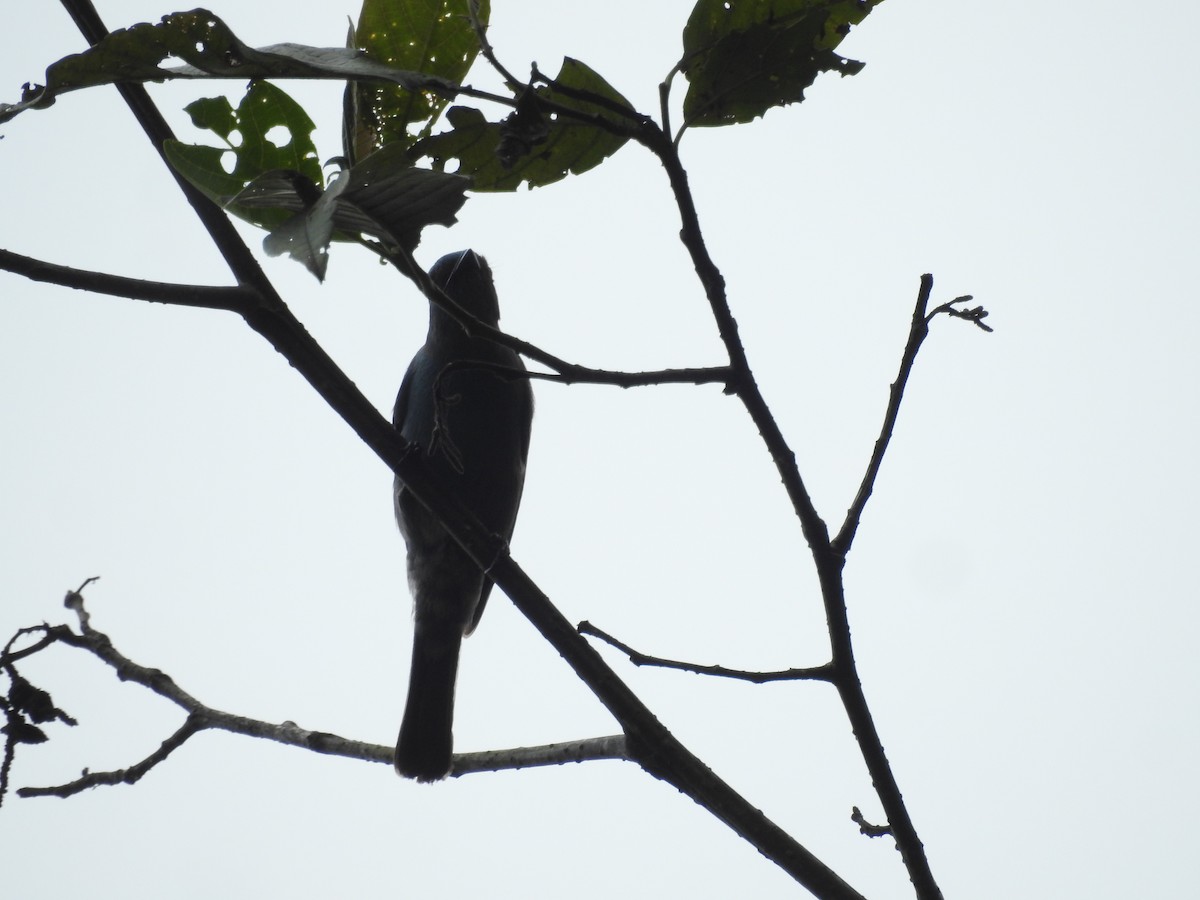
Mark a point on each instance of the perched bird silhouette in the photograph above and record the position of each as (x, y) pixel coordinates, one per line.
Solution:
(475, 436)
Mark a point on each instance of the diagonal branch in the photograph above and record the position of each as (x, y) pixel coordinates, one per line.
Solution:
(131, 775)
(918, 331)
(486, 48)
(742, 382)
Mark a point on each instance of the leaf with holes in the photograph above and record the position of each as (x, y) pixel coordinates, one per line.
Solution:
(742, 58)
(273, 133)
(533, 145)
(435, 37)
(211, 50)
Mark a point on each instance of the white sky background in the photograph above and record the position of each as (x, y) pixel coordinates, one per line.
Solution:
(1022, 589)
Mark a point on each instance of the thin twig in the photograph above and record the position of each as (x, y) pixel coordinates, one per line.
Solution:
(517, 86)
(573, 374)
(742, 380)
(485, 47)
(585, 96)
(814, 673)
(918, 331)
(8, 655)
(564, 372)
(131, 775)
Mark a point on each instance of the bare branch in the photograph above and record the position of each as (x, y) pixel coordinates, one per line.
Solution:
(815, 673)
(918, 331)
(828, 556)
(586, 750)
(130, 775)
(227, 298)
(485, 47)
(563, 372)
(742, 382)
(8, 656)
(574, 374)
(205, 718)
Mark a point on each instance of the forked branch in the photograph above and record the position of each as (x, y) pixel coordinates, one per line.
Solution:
(201, 717)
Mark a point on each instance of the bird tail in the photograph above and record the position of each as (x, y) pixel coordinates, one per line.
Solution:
(426, 741)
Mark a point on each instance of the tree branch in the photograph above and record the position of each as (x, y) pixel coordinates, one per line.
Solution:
(815, 673)
(918, 331)
(656, 749)
(233, 299)
(130, 775)
(828, 559)
(201, 717)
(742, 382)
(584, 750)
(486, 48)
(564, 372)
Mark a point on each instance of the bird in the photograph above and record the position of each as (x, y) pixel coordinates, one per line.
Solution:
(473, 427)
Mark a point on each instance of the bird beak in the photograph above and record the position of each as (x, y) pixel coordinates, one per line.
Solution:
(466, 256)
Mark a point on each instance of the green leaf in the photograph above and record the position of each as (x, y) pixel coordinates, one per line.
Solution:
(263, 108)
(531, 146)
(435, 37)
(383, 197)
(211, 51)
(213, 114)
(202, 167)
(263, 116)
(743, 57)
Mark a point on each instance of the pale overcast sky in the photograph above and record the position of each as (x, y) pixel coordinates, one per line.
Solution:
(1022, 591)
